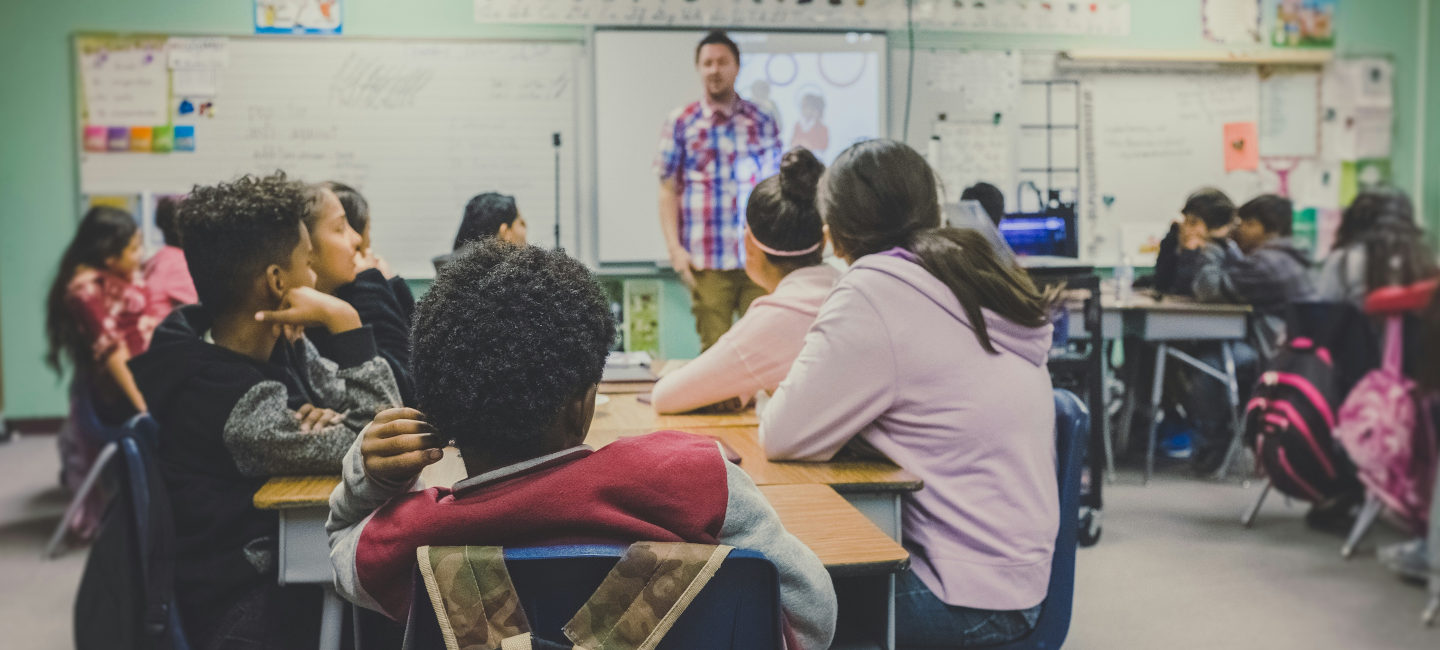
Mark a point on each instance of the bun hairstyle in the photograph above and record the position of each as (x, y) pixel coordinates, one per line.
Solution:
(782, 214)
(881, 194)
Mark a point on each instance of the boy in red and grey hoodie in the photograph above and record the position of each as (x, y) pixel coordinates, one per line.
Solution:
(507, 351)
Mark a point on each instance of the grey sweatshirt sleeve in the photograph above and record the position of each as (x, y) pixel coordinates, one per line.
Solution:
(263, 435)
(354, 379)
(352, 504)
(1212, 281)
(806, 592)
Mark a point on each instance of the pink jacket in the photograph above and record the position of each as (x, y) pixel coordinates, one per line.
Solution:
(892, 358)
(167, 279)
(757, 352)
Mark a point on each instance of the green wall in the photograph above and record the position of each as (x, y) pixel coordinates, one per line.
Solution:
(37, 169)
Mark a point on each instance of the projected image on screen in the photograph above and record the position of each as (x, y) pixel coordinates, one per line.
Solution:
(823, 101)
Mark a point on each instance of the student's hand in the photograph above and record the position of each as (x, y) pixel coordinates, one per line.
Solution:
(732, 405)
(313, 418)
(1193, 235)
(306, 307)
(683, 264)
(398, 444)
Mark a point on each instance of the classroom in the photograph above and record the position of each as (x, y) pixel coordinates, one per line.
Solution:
(705, 324)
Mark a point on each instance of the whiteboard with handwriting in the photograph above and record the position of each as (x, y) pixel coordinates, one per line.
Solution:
(418, 127)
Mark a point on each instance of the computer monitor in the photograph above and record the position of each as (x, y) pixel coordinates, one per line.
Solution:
(1045, 233)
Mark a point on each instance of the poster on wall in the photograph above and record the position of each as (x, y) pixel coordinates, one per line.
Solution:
(1304, 23)
(1231, 21)
(298, 16)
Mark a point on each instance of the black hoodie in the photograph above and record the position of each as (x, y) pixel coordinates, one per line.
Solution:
(227, 424)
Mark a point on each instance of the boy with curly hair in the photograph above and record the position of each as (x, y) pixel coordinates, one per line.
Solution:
(235, 408)
(507, 351)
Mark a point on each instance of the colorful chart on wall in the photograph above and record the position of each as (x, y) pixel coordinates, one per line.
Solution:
(299, 16)
(1304, 23)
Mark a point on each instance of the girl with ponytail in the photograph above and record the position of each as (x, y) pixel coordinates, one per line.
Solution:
(784, 248)
(932, 350)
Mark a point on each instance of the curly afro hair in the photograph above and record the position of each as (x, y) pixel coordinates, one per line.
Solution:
(232, 231)
(503, 340)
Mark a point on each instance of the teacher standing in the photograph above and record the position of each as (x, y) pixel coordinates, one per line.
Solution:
(712, 154)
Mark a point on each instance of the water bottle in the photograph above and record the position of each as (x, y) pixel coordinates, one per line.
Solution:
(1124, 280)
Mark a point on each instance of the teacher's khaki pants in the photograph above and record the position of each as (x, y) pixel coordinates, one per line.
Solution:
(720, 297)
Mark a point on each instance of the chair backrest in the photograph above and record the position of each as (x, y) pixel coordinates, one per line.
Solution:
(143, 541)
(1072, 431)
(738, 608)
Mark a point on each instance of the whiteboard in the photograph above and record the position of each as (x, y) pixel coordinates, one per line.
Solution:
(417, 126)
(1153, 138)
(642, 76)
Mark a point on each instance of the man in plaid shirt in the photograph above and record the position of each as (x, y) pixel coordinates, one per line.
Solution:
(712, 154)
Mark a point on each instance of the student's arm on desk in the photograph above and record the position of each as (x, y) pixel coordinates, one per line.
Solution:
(350, 376)
(716, 375)
(806, 593)
(843, 380)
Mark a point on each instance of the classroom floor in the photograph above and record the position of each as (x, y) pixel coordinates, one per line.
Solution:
(1174, 570)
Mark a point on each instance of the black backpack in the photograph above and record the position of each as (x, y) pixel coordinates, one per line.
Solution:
(1290, 422)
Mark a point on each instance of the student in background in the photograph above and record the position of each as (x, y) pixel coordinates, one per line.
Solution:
(167, 278)
(784, 243)
(989, 197)
(96, 318)
(1207, 217)
(357, 212)
(933, 351)
(491, 214)
(235, 408)
(1259, 265)
(514, 389)
(383, 300)
(1378, 244)
(339, 271)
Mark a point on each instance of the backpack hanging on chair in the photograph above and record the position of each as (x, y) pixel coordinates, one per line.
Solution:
(1378, 425)
(1289, 423)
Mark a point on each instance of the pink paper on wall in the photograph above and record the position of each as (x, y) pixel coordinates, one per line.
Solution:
(1242, 146)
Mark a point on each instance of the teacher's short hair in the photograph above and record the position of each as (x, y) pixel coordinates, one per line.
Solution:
(718, 37)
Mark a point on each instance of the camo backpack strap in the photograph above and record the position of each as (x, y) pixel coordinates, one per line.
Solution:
(473, 598)
(644, 594)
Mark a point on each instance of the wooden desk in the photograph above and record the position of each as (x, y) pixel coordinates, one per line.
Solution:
(626, 413)
(1167, 320)
(874, 487)
(861, 557)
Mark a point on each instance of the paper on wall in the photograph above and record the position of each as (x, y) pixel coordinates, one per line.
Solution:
(1290, 114)
(191, 53)
(971, 152)
(1231, 21)
(984, 82)
(126, 86)
(1357, 109)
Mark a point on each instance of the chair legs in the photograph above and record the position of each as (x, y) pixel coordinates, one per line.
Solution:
(1248, 519)
(96, 470)
(1237, 432)
(1372, 509)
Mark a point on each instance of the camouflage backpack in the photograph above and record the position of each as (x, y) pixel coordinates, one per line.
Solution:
(476, 606)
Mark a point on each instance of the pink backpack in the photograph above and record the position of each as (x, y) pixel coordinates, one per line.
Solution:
(1378, 427)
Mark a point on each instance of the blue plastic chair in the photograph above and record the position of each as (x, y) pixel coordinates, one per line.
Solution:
(1072, 432)
(141, 495)
(738, 608)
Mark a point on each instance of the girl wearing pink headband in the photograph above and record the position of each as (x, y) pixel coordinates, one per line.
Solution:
(784, 242)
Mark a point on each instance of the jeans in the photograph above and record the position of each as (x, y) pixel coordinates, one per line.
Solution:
(924, 621)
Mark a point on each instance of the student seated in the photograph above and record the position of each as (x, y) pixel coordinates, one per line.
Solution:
(933, 351)
(166, 277)
(96, 318)
(989, 197)
(235, 409)
(491, 214)
(357, 213)
(1377, 244)
(1207, 217)
(346, 268)
(784, 242)
(509, 345)
(1258, 265)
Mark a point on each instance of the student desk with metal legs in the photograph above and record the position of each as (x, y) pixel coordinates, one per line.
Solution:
(1169, 320)
(861, 557)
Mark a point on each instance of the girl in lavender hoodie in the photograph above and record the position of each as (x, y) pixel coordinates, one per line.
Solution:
(783, 241)
(932, 350)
